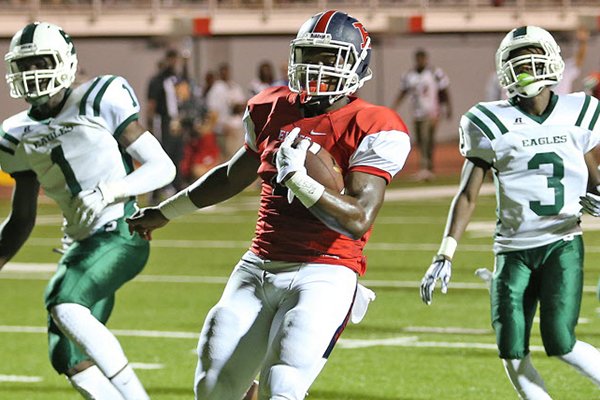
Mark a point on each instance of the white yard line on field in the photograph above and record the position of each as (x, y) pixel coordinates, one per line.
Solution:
(243, 245)
(432, 192)
(398, 341)
(138, 365)
(42, 271)
(20, 378)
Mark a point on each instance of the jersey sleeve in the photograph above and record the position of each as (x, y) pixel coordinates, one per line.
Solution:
(12, 155)
(385, 147)
(383, 154)
(112, 99)
(474, 143)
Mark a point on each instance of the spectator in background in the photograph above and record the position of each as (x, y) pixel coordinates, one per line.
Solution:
(233, 130)
(209, 80)
(265, 78)
(221, 98)
(283, 75)
(591, 84)
(201, 152)
(573, 64)
(493, 90)
(163, 111)
(428, 90)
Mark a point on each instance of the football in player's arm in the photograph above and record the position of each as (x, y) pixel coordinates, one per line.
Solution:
(538, 145)
(78, 144)
(290, 296)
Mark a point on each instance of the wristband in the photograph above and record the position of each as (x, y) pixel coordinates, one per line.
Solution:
(448, 247)
(178, 205)
(305, 188)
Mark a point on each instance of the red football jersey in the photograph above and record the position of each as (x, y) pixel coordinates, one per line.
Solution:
(360, 136)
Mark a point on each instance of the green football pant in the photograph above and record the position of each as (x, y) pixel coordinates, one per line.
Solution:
(551, 274)
(89, 273)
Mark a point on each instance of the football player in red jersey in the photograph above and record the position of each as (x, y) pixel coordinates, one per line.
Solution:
(291, 295)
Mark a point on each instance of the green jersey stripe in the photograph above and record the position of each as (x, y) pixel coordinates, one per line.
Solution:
(595, 117)
(100, 94)
(7, 150)
(27, 35)
(57, 156)
(586, 104)
(493, 117)
(124, 125)
(10, 138)
(479, 123)
(83, 104)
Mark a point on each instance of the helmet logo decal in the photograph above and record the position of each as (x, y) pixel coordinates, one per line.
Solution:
(522, 31)
(363, 33)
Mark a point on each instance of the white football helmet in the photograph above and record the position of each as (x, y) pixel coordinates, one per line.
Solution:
(546, 69)
(348, 43)
(40, 39)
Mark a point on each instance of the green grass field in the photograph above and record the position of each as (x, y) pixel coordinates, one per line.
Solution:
(402, 350)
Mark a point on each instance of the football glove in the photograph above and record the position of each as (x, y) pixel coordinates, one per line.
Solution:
(90, 203)
(590, 204)
(440, 268)
(290, 159)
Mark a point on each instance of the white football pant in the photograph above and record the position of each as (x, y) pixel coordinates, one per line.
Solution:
(277, 318)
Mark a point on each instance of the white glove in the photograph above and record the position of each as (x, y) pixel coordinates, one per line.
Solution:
(591, 204)
(440, 268)
(486, 275)
(90, 203)
(291, 159)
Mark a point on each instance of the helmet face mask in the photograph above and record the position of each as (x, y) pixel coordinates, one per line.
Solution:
(329, 59)
(527, 61)
(40, 63)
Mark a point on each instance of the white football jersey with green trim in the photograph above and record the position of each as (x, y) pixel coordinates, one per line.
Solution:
(77, 149)
(538, 164)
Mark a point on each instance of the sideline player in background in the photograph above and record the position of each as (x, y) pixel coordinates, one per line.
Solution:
(538, 145)
(78, 144)
(289, 298)
(429, 90)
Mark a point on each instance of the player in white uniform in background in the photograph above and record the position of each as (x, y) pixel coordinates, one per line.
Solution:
(289, 298)
(538, 145)
(78, 145)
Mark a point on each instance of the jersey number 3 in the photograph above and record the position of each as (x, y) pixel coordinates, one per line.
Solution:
(554, 182)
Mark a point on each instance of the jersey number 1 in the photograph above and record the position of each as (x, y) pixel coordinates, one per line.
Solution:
(554, 182)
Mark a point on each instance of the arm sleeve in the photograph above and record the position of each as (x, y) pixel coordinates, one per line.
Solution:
(155, 171)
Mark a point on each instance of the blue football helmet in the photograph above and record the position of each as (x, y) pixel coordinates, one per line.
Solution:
(329, 57)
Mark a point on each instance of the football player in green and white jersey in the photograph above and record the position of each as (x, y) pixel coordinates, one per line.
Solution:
(538, 146)
(79, 144)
